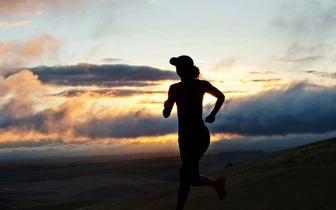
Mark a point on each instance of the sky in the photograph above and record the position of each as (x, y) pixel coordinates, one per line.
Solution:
(87, 77)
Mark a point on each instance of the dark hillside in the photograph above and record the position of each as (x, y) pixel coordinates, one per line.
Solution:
(298, 178)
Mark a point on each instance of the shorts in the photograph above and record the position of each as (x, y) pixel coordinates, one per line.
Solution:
(193, 143)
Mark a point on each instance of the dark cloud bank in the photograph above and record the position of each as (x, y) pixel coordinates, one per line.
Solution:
(135, 124)
(59, 120)
(299, 109)
(105, 75)
(108, 92)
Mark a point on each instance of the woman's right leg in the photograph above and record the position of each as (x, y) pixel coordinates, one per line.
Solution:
(207, 181)
(190, 170)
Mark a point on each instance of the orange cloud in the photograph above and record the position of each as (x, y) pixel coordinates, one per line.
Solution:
(14, 83)
(80, 116)
(16, 51)
(15, 23)
(34, 7)
(262, 80)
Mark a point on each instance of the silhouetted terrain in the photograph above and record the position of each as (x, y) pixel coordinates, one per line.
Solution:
(71, 183)
(298, 178)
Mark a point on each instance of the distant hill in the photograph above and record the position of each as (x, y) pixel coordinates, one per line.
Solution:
(303, 177)
(75, 182)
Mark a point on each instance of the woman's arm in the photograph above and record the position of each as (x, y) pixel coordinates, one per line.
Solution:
(168, 105)
(220, 100)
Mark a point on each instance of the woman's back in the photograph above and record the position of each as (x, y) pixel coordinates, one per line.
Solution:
(188, 96)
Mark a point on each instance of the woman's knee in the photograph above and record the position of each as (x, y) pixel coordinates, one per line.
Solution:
(183, 172)
(189, 174)
(195, 181)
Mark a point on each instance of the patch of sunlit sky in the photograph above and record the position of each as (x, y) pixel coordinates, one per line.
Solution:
(242, 47)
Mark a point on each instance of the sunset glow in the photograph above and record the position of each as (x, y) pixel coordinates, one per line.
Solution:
(90, 77)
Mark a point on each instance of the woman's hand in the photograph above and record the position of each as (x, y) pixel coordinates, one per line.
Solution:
(168, 105)
(210, 119)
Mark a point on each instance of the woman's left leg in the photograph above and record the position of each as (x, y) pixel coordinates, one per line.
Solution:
(191, 154)
(195, 151)
(190, 170)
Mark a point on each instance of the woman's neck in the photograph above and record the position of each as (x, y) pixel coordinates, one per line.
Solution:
(187, 80)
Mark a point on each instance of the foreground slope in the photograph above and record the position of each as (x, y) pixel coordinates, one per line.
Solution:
(298, 178)
(69, 183)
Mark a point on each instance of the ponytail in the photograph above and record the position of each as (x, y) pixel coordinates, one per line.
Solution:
(195, 72)
(191, 72)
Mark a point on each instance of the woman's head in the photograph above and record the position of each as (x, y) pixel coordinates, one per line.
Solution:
(185, 67)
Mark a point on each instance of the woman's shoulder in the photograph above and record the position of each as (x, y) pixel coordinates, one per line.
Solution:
(175, 85)
(204, 86)
(203, 83)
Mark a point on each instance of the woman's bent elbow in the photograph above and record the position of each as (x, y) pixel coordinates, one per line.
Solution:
(221, 97)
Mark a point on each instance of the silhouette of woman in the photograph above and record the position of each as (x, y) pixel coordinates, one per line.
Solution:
(193, 135)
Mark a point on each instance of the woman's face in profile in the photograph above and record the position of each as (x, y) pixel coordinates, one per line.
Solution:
(182, 71)
(179, 71)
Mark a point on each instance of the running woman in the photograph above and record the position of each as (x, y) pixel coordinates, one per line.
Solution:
(193, 135)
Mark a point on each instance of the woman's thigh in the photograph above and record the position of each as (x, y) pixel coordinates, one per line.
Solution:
(193, 144)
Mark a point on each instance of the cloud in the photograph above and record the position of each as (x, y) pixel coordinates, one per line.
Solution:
(54, 148)
(268, 143)
(64, 122)
(14, 8)
(321, 74)
(311, 19)
(133, 124)
(305, 53)
(72, 119)
(108, 93)
(235, 91)
(21, 118)
(309, 29)
(17, 107)
(226, 64)
(19, 7)
(110, 60)
(13, 85)
(304, 59)
(17, 52)
(31, 143)
(300, 108)
(262, 80)
(15, 23)
(262, 72)
(102, 75)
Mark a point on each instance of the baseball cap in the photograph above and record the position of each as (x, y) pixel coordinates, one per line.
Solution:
(182, 60)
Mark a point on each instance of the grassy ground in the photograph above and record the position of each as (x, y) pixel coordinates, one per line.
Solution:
(298, 178)
(76, 182)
